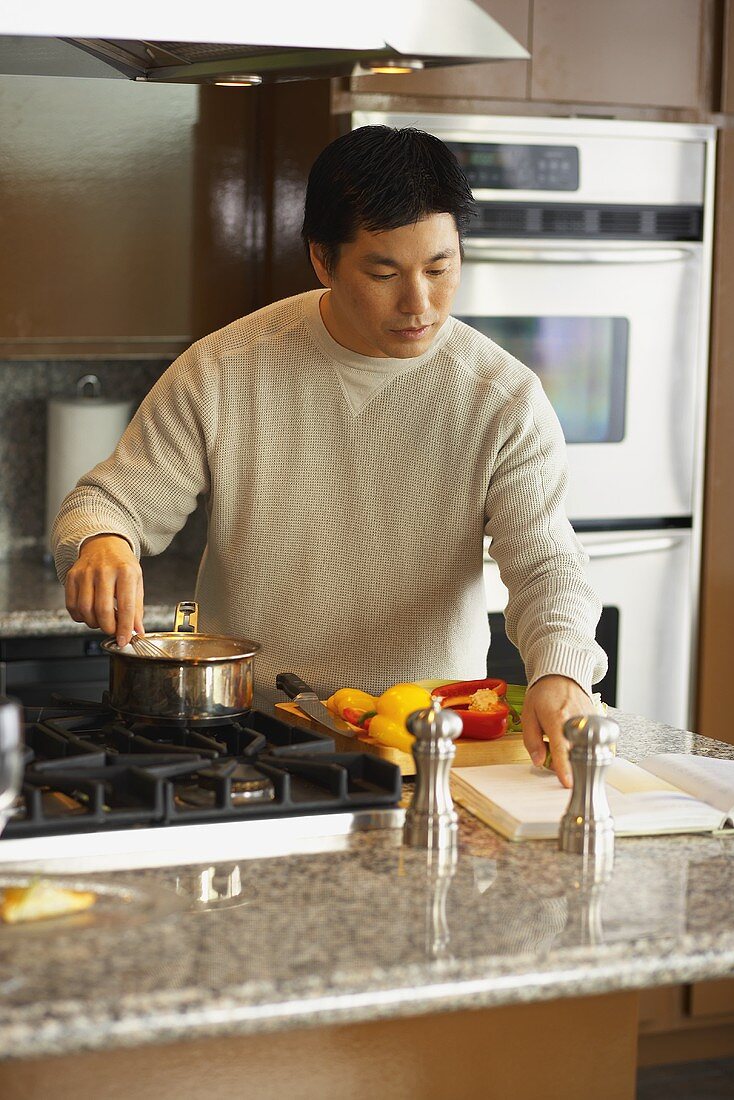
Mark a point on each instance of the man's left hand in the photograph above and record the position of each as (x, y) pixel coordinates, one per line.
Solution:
(548, 704)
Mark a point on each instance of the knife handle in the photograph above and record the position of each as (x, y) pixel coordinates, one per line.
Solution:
(291, 684)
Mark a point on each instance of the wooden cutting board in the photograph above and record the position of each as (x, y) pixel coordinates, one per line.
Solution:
(505, 750)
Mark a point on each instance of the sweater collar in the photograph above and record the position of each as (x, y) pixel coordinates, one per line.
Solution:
(373, 364)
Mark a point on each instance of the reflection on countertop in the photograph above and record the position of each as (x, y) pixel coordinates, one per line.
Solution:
(32, 600)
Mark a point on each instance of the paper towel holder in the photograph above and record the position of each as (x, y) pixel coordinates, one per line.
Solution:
(89, 380)
(82, 430)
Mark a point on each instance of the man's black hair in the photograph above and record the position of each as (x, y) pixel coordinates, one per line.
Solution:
(379, 178)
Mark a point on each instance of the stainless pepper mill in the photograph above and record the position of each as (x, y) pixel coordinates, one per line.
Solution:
(431, 820)
(587, 827)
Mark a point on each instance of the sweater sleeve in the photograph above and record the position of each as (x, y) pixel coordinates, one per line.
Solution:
(552, 611)
(147, 488)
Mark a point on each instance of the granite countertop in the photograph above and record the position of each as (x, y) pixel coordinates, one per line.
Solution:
(32, 600)
(371, 931)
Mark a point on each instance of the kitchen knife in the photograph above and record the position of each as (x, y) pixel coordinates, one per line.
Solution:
(309, 702)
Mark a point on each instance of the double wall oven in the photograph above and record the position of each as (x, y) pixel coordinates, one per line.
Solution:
(590, 261)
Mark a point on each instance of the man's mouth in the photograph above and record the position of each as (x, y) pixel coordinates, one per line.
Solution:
(412, 333)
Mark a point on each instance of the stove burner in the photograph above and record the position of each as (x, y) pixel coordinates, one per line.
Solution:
(93, 770)
(246, 782)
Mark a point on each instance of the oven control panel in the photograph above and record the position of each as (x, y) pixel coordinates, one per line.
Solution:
(512, 167)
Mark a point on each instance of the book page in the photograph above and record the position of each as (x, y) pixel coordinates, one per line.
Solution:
(525, 802)
(707, 778)
(650, 812)
(629, 778)
(530, 800)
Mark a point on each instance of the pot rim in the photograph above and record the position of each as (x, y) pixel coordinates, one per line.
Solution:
(249, 649)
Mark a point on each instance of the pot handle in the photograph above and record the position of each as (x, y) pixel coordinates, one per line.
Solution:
(187, 617)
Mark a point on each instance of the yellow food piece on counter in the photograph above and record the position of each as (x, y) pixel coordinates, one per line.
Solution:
(42, 900)
(401, 700)
(352, 699)
(389, 731)
(388, 711)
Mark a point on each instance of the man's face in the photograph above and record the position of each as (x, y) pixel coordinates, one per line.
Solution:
(390, 292)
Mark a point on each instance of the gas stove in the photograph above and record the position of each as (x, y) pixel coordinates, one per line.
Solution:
(101, 792)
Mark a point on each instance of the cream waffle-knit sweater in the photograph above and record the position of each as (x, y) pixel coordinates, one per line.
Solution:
(349, 544)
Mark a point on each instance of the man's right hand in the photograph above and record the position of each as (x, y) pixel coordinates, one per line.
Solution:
(104, 587)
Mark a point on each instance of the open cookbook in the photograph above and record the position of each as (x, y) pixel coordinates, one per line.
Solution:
(665, 793)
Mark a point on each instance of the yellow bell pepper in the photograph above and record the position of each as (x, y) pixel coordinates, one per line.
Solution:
(389, 731)
(401, 700)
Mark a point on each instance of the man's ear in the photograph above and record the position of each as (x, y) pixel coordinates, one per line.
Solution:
(315, 251)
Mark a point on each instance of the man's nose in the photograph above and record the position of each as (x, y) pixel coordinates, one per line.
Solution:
(413, 297)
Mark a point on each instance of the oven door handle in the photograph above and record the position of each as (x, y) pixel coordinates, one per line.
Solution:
(622, 548)
(509, 254)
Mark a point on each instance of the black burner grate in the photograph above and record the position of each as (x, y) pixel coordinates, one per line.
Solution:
(92, 771)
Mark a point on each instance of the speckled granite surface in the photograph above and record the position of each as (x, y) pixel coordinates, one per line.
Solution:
(32, 600)
(373, 932)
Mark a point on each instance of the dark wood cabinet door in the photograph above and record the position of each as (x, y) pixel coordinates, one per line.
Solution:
(727, 59)
(96, 211)
(655, 56)
(643, 54)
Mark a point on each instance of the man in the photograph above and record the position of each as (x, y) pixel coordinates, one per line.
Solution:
(354, 444)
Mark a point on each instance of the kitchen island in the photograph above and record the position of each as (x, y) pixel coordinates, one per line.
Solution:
(366, 970)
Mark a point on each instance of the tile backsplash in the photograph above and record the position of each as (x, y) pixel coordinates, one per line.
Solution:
(25, 387)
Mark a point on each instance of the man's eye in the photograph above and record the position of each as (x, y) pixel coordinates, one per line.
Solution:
(438, 271)
(381, 278)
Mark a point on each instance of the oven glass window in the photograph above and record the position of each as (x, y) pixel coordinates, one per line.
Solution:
(582, 363)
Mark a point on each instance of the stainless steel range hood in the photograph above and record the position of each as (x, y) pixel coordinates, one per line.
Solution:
(221, 39)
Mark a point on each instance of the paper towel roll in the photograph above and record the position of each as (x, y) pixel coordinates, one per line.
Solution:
(82, 431)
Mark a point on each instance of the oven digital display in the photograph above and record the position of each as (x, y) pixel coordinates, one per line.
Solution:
(582, 363)
(505, 167)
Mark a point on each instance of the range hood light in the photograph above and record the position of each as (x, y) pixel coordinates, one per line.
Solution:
(237, 80)
(388, 67)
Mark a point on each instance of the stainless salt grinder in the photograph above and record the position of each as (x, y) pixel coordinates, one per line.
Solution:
(431, 820)
(587, 827)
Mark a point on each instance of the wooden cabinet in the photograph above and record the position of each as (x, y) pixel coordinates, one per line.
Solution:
(646, 55)
(712, 999)
(716, 642)
(727, 59)
(96, 195)
(680, 1023)
(574, 1048)
(253, 152)
(138, 218)
(660, 55)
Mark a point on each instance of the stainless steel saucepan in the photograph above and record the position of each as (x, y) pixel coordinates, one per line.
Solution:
(196, 678)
